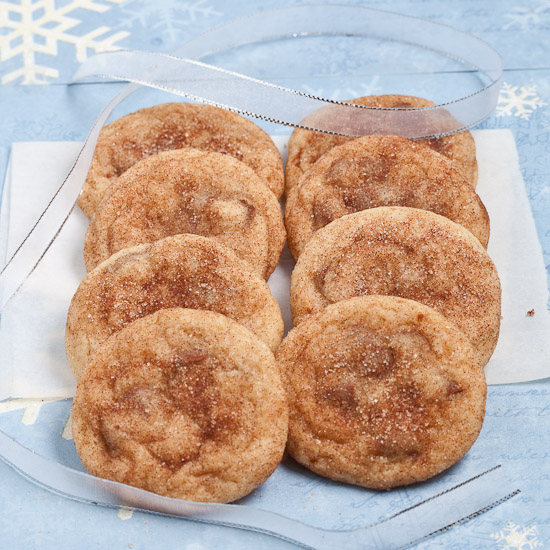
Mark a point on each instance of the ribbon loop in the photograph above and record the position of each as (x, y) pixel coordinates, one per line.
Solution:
(193, 79)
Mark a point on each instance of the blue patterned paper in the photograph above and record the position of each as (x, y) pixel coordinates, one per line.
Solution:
(36, 104)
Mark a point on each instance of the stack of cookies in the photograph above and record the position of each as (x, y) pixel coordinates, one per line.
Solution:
(171, 334)
(395, 301)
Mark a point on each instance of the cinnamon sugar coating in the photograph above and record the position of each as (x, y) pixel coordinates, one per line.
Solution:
(187, 271)
(169, 126)
(383, 392)
(380, 170)
(405, 252)
(306, 147)
(189, 191)
(184, 403)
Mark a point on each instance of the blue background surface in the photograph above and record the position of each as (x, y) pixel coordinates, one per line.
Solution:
(516, 431)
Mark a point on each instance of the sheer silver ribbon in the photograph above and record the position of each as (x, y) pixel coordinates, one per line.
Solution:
(438, 513)
(182, 74)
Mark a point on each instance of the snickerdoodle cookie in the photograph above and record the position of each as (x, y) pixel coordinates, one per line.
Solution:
(168, 126)
(382, 392)
(184, 403)
(189, 191)
(188, 271)
(406, 252)
(376, 171)
(305, 147)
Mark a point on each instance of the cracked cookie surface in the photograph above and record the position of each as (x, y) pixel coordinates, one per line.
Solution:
(168, 126)
(405, 252)
(184, 403)
(382, 392)
(188, 271)
(380, 170)
(306, 147)
(189, 191)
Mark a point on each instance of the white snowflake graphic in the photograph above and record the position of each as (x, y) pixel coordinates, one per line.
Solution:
(525, 18)
(518, 101)
(514, 537)
(31, 28)
(169, 19)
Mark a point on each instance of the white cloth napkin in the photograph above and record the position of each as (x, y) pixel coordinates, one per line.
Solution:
(32, 357)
